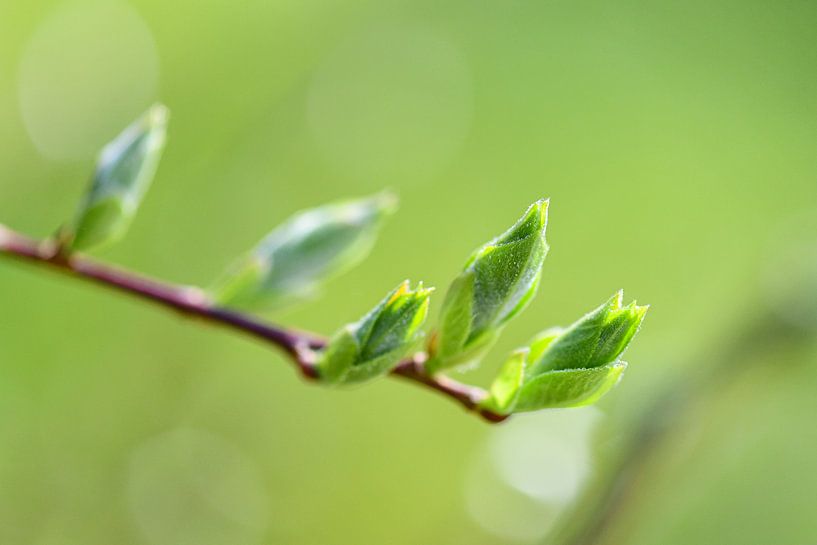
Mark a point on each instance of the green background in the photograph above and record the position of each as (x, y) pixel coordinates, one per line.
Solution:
(676, 140)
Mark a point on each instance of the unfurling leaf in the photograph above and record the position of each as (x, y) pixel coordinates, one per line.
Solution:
(568, 388)
(505, 389)
(124, 171)
(307, 249)
(596, 339)
(569, 367)
(498, 281)
(375, 345)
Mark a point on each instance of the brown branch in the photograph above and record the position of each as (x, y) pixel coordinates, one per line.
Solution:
(194, 302)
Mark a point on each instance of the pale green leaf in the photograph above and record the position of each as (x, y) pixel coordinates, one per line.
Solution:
(309, 248)
(568, 388)
(339, 355)
(123, 175)
(455, 320)
(541, 342)
(506, 386)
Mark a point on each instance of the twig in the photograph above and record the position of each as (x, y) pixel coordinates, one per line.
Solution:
(194, 302)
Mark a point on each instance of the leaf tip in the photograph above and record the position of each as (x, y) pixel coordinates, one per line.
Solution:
(538, 213)
(401, 290)
(157, 116)
(387, 202)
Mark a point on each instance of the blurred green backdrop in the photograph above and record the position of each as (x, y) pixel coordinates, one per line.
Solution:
(677, 141)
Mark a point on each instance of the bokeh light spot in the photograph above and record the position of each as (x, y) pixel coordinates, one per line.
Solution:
(529, 470)
(191, 487)
(546, 455)
(89, 69)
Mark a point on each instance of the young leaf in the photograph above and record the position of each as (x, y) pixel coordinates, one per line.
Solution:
(498, 281)
(568, 388)
(598, 338)
(505, 389)
(376, 344)
(542, 341)
(123, 174)
(307, 249)
(568, 367)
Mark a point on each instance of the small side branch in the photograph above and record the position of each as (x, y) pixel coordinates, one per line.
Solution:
(194, 302)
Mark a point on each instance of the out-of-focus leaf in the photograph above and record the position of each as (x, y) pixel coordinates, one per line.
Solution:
(376, 344)
(123, 175)
(498, 281)
(309, 248)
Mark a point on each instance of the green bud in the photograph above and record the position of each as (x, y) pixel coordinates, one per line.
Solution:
(379, 341)
(499, 280)
(309, 248)
(124, 171)
(568, 367)
(597, 339)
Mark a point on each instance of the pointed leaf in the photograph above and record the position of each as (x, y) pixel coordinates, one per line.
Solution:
(498, 282)
(306, 250)
(598, 338)
(124, 172)
(619, 329)
(374, 345)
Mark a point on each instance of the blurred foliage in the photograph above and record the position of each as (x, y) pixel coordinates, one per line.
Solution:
(123, 174)
(675, 140)
(292, 261)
